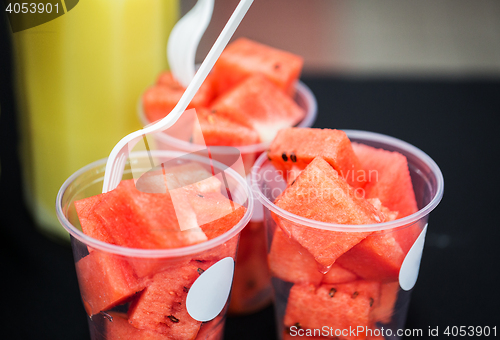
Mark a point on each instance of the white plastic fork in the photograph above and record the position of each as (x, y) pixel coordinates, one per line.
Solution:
(118, 156)
(184, 39)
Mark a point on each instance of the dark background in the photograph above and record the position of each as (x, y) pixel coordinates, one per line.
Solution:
(454, 121)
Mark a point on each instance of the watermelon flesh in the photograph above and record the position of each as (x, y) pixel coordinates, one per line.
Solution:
(291, 262)
(244, 57)
(118, 328)
(297, 147)
(338, 274)
(379, 256)
(259, 104)
(339, 306)
(162, 305)
(335, 202)
(149, 219)
(106, 280)
(388, 296)
(384, 193)
(216, 129)
(161, 98)
(388, 178)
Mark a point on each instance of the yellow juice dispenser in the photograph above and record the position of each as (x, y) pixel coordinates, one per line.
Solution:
(79, 78)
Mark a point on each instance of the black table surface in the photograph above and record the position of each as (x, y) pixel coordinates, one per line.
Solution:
(453, 121)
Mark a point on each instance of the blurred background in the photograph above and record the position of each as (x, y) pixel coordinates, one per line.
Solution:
(425, 38)
(426, 71)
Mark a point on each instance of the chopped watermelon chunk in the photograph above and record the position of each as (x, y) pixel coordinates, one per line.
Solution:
(340, 306)
(337, 274)
(388, 296)
(260, 105)
(243, 58)
(319, 193)
(90, 221)
(161, 98)
(215, 213)
(378, 257)
(218, 130)
(162, 305)
(292, 174)
(194, 175)
(297, 147)
(106, 280)
(388, 178)
(291, 262)
(135, 219)
(118, 328)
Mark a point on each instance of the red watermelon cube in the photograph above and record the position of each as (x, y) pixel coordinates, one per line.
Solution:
(378, 257)
(319, 193)
(338, 274)
(118, 328)
(297, 147)
(216, 129)
(388, 178)
(388, 296)
(106, 280)
(259, 104)
(215, 214)
(291, 262)
(162, 305)
(145, 220)
(340, 306)
(244, 57)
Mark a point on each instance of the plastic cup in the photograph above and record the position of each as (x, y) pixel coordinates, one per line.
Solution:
(252, 286)
(113, 278)
(382, 303)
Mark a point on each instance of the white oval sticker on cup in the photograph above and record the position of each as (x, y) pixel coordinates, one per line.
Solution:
(408, 273)
(208, 294)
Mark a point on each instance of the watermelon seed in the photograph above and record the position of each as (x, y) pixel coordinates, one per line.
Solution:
(173, 319)
(354, 295)
(214, 111)
(200, 195)
(293, 157)
(107, 316)
(332, 292)
(186, 289)
(200, 271)
(277, 66)
(371, 302)
(284, 156)
(268, 157)
(293, 182)
(297, 324)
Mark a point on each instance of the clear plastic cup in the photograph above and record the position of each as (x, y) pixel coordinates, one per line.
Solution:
(108, 273)
(381, 305)
(252, 289)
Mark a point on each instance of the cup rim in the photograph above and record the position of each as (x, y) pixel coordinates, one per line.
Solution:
(301, 89)
(153, 253)
(367, 136)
